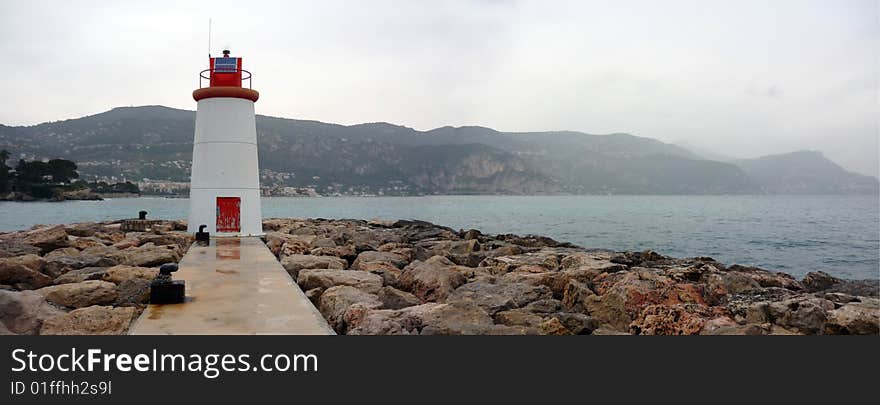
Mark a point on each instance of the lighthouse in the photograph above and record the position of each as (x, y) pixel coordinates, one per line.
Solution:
(225, 183)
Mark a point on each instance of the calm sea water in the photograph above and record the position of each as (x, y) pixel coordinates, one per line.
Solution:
(794, 234)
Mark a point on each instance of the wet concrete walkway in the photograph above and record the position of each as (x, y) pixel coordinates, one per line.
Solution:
(235, 286)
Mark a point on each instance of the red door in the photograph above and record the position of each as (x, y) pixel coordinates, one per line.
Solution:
(228, 214)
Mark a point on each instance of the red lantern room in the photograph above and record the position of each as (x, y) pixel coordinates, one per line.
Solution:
(225, 77)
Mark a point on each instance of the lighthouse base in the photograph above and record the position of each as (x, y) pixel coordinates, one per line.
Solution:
(226, 212)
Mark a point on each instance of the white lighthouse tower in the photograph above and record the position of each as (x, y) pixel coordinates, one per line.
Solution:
(225, 184)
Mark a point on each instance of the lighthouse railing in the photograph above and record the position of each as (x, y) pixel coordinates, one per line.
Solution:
(210, 72)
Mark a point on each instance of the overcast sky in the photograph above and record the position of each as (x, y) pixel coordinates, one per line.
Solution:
(738, 78)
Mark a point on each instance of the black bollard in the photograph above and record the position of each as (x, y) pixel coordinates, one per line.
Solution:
(142, 215)
(164, 290)
(202, 236)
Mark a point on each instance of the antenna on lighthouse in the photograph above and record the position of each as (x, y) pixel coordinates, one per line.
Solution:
(209, 37)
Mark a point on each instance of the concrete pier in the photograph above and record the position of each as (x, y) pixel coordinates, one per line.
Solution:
(234, 286)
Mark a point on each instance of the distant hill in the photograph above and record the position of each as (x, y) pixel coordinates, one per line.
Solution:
(805, 172)
(379, 158)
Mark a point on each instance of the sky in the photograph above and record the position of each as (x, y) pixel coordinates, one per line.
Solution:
(739, 79)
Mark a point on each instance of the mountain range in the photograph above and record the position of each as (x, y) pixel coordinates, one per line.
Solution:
(155, 142)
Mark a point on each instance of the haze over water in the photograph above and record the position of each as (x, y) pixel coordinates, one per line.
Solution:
(793, 234)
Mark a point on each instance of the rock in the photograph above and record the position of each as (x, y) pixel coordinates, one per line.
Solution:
(545, 306)
(768, 279)
(454, 247)
(577, 324)
(23, 272)
(549, 260)
(393, 298)
(326, 278)
(638, 259)
(719, 286)
(599, 261)
(83, 243)
(457, 319)
(335, 301)
(83, 274)
(346, 253)
(575, 296)
(179, 239)
(553, 326)
(405, 321)
(431, 280)
(471, 234)
(59, 265)
(314, 294)
(31, 261)
(295, 263)
(723, 325)
(93, 320)
(282, 244)
(114, 254)
(506, 250)
(816, 281)
(15, 247)
(152, 256)
(387, 271)
(23, 312)
(375, 256)
(121, 273)
(864, 288)
(498, 297)
(47, 239)
(82, 294)
(805, 314)
(133, 291)
(518, 317)
(682, 319)
(855, 318)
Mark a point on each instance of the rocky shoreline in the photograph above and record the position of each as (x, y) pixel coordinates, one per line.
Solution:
(414, 277)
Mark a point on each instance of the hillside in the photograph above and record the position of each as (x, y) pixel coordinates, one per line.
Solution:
(806, 172)
(155, 142)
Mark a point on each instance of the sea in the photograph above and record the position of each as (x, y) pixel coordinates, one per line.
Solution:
(794, 234)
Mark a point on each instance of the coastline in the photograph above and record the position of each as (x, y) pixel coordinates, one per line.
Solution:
(414, 277)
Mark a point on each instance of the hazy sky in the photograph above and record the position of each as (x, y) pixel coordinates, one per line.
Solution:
(738, 78)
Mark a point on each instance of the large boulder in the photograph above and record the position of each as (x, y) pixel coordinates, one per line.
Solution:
(150, 255)
(465, 319)
(93, 320)
(431, 280)
(47, 239)
(860, 317)
(393, 298)
(335, 301)
(681, 319)
(83, 274)
(132, 291)
(24, 272)
(121, 273)
(23, 312)
(405, 321)
(768, 278)
(11, 247)
(326, 278)
(82, 294)
(371, 256)
(59, 264)
(816, 281)
(294, 263)
(498, 297)
(806, 314)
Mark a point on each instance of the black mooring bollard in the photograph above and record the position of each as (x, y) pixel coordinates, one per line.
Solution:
(142, 215)
(202, 236)
(164, 290)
